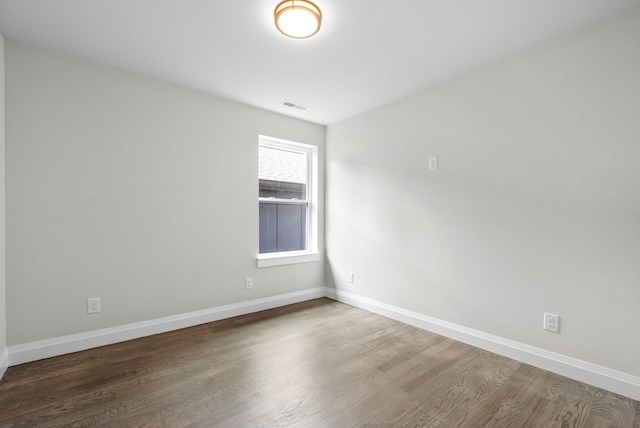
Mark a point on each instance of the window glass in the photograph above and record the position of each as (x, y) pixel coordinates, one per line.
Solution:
(283, 190)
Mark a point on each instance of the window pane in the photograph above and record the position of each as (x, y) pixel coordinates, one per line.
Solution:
(283, 227)
(282, 173)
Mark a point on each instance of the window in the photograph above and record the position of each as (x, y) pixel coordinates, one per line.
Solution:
(286, 198)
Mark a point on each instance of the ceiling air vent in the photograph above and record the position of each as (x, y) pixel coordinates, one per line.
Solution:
(294, 105)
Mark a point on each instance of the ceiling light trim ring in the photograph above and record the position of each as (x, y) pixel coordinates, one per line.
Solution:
(288, 7)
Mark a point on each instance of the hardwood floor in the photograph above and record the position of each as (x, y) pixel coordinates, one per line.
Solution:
(313, 364)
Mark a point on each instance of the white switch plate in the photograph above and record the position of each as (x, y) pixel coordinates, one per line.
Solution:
(93, 305)
(433, 163)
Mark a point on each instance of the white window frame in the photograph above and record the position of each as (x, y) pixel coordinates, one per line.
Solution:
(311, 254)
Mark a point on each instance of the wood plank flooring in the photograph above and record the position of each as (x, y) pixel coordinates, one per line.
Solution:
(313, 364)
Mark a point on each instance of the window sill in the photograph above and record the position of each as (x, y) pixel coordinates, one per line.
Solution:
(288, 258)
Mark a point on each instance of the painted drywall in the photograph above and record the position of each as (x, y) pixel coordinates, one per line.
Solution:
(535, 206)
(132, 190)
(3, 305)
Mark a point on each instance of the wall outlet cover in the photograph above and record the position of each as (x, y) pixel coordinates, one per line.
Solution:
(93, 305)
(552, 323)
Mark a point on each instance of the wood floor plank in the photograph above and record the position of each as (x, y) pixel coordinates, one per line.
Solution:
(313, 364)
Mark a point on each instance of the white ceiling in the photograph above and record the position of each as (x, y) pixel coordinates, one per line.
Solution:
(367, 53)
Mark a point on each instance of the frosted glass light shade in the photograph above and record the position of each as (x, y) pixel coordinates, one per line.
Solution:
(298, 19)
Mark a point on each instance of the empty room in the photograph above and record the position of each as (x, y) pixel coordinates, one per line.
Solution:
(326, 213)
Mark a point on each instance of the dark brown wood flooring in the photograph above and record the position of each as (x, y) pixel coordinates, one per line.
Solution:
(313, 364)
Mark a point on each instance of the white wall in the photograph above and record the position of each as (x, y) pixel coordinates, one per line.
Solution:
(535, 207)
(3, 306)
(132, 190)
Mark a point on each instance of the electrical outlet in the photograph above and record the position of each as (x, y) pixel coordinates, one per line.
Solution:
(93, 305)
(350, 277)
(552, 323)
(248, 283)
(433, 163)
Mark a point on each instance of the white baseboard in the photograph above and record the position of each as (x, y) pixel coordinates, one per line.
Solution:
(4, 362)
(47, 348)
(592, 374)
(602, 377)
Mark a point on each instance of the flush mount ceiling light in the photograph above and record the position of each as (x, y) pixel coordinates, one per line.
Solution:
(298, 19)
